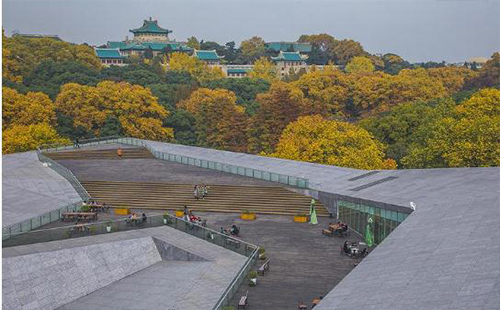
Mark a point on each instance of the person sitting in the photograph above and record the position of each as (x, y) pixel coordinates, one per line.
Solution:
(345, 228)
(364, 252)
(224, 231)
(347, 250)
(119, 152)
(192, 217)
(234, 230)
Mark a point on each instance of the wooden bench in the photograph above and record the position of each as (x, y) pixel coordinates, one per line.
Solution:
(264, 267)
(230, 241)
(243, 303)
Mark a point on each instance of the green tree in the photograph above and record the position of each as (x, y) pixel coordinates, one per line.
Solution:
(253, 48)
(193, 42)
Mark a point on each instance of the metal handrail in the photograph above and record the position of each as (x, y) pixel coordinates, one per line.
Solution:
(65, 173)
(230, 290)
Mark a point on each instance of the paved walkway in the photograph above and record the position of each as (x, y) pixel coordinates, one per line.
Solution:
(304, 263)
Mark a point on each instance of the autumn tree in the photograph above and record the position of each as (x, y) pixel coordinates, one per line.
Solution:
(253, 48)
(21, 138)
(489, 74)
(360, 64)
(264, 69)
(134, 106)
(327, 89)
(345, 50)
(469, 138)
(193, 42)
(453, 78)
(195, 67)
(315, 139)
(32, 108)
(282, 104)
(23, 54)
(220, 123)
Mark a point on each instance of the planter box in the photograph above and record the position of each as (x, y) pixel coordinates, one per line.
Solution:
(300, 219)
(248, 216)
(179, 213)
(122, 211)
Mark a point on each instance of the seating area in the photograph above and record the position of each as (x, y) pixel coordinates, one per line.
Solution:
(339, 230)
(265, 267)
(112, 154)
(79, 216)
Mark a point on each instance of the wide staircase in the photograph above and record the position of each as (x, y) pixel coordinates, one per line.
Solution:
(127, 153)
(220, 198)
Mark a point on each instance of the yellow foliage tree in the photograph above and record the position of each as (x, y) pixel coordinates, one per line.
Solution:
(282, 104)
(471, 138)
(220, 123)
(253, 47)
(134, 106)
(264, 69)
(453, 78)
(32, 108)
(360, 64)
(21, 55)
(21, 138)
(315, 139)
(328, 89)
(197, 68)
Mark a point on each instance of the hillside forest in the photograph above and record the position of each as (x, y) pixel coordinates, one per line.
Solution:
(371, 112)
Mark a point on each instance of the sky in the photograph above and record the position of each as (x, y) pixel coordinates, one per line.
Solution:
(417, 30)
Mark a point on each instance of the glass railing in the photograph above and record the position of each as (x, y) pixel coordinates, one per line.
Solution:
(38, 221)
(65, 173)
(192, 161)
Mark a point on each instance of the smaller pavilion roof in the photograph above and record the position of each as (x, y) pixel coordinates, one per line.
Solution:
(206, 55)
(289, 56)
(150, 26)
(155, 46)
(108, 53)
(238, 70)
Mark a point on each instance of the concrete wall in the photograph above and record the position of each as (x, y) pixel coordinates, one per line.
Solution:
(49, 280)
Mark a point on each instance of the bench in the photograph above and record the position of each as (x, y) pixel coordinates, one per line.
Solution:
(243, 301)
(264, 267)
(233, 242)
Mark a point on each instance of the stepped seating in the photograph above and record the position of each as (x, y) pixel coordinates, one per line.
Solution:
(221, 198)
(128, 153)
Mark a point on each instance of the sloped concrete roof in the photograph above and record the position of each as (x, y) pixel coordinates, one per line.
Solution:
(445, 255)
(30, 189)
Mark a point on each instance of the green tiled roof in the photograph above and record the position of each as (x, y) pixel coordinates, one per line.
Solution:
(238, 70)
(155, 46)
(150, 26)
(288, 56)
(206, 55)
(108, 53)
(285, 46)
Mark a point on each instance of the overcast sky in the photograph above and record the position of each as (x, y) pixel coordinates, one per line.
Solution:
(417, 30)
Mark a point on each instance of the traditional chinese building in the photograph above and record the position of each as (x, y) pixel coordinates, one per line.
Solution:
(286, 61)
(150, 37)
(110, 56)
(210, 57)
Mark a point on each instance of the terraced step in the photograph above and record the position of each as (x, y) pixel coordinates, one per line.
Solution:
(127, 153)
(221, 198)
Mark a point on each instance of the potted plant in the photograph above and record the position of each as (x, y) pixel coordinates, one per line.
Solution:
(262, 253)
(247, 215)
(252, 278)
(85, 208)
(179, 212)
(300, 217)
(165, 218)
(108, 226)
